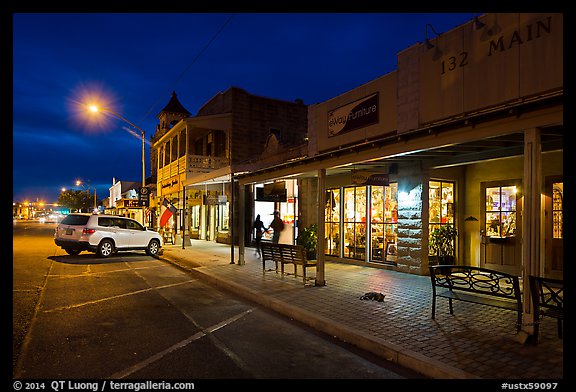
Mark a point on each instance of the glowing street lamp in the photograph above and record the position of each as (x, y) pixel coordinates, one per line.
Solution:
(79, 183)
(97, 109)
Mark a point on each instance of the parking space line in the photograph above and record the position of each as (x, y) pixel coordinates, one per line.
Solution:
(177, 346)
(90, 272)
(116, 297)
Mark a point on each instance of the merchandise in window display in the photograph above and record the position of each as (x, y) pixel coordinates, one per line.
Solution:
(501, 212)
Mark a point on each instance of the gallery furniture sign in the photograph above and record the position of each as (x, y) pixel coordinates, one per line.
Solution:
(354, 115)
(361, 177)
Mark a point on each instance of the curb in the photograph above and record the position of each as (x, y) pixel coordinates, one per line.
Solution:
(391, 352)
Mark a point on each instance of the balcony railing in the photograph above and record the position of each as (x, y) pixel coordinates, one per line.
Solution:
(191, 164)
(205, 163)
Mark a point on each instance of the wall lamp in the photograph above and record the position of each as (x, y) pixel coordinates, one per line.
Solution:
(477, 24)
(471, 219)
(429, 45)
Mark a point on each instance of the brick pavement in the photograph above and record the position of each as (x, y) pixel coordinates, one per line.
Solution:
(477, 342)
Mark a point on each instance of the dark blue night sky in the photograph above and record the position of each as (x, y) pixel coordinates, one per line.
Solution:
(135, 61)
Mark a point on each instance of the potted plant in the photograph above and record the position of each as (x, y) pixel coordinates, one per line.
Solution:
(442, 241)
(308, 238)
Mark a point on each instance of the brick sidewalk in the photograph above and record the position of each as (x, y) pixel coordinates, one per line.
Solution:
(477, 342)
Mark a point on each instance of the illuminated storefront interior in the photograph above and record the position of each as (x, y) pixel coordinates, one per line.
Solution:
(354, 231)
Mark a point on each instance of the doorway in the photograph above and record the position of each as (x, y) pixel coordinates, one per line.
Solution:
(501, 226)
(553, 240)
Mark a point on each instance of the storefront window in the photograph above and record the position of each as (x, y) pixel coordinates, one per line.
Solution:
(384, 222)
(557, 217)
(355, 222)
(501, 211)
(441, 200)
(223, 216)
(194, 217)
(332, 225)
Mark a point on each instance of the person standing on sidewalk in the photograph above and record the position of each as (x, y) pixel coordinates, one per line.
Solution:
(277, 225)
(260, 229)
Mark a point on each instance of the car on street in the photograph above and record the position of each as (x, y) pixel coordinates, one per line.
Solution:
(105, 235)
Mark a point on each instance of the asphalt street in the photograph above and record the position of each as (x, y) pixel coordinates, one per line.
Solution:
(132, 316)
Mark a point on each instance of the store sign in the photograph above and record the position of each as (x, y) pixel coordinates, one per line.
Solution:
(357, 114)
(211, 200)
(144, 197)
(272, 192)
(127, 203)
(369, 178)
(169, 186)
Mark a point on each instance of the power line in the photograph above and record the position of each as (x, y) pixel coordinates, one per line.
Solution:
(175, 82)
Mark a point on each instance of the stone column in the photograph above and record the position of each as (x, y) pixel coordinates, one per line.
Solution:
(410, 220)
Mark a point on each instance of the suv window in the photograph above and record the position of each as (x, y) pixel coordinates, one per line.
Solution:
(75, 220)
(133, 225)
(105, 222)
(121, 223)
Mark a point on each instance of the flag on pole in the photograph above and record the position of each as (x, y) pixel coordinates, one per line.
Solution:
(167, 210)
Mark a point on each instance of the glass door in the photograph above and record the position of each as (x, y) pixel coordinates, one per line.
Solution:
(355, 222)
(501, 213)
(384, 223)
(332, 222)
(554, 228)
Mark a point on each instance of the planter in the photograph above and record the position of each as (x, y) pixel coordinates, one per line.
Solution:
(308, 238)
(311, 254)
(442, 241)
(445, 260)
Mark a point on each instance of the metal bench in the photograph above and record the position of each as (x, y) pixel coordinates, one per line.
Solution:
(282, 254)
(476, 285)
(547, 300)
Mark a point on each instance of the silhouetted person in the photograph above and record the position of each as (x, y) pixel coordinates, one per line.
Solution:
(277, 225)
(260, 229)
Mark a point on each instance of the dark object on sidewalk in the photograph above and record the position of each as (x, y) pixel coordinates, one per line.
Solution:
(476, 285)
(547, 300)
(372, 295)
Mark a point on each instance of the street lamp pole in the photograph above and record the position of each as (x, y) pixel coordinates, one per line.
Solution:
(142, 133)
(78, 183)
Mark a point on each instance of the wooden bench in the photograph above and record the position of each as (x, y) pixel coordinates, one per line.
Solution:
(476, 285)
(547, 300)
(282, 254)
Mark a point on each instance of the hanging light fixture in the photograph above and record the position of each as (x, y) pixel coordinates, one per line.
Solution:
(477, 24)
(429, 45)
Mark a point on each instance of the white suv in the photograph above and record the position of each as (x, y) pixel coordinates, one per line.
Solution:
(104, 235)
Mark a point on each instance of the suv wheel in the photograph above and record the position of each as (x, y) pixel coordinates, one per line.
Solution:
(153, 248)
(105, 248)
(72, 252)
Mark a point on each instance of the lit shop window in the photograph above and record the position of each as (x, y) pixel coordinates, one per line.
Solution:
(332, 225)
(501, 211)
(557, 218)
(355, 222)
(441, 201)
(223, 216)
(384, 222)
(195, 217)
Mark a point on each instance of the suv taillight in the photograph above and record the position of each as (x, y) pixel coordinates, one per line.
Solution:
(88, 231)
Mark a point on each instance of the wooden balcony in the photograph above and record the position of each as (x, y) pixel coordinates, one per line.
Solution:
(191, 164)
